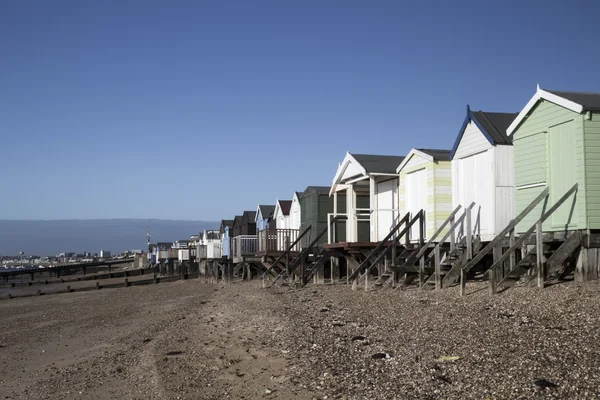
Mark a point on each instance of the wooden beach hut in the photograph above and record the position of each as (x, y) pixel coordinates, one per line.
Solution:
(316, 206)
(225, 231)
(556, 140)
(281, 215)
(295, 211)
(264, 216)
(426, 184)
(483, 171)
(370, 183)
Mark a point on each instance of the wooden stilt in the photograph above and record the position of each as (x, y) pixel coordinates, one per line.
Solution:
(463, 282)
(512, 258)
(438, 275)
(335, 270)
(422, 271)
(539, 243)
(492, 280)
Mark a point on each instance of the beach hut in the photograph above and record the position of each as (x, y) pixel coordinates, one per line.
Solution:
(225, 230)
(556, 140)
(244, 242)
(211, 245)
(426, 184)
(295, 211)
(483, 171)
(263, 217)
(281, 215)
(237, 226)
(316, 205)
(370, 183)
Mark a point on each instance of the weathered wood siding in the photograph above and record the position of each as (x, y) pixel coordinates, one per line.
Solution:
(548, 147)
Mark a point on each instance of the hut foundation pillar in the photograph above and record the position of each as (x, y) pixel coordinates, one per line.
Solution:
(335, 270)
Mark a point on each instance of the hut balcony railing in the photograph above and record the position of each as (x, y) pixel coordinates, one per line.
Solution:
(183, 254)
(360, 215)
(243, 245)
(173, 253)
(210, 250)
(276, 240)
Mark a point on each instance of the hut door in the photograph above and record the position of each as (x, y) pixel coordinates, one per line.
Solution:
(562, 171)
(387, 200)
(416, 196)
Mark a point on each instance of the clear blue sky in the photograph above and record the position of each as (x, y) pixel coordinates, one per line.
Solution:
(201, 109)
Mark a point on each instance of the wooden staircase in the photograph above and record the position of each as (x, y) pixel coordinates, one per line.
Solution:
(536, 258)
(315, 262)
(310, 259)
(387, 248)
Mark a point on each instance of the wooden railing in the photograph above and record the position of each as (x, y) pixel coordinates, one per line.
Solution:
(276, 240)
(243, 245)
(173, 253)
(367, 264)
(537, 227)
(210, 250)
(455, 272)
(287, 251)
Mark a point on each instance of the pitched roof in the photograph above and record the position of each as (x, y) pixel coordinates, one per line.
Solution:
(496, 124)
(227, 222)
(285, 206)
(589, 101)
(493, 126)
(249, 215)
(575, 101)
(266, 211)
(438, 155)
(318, 189)
(237, 220)
(212, 234)
(373, 163)
(429, 154)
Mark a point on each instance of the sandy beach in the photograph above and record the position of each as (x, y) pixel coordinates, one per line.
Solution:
(188, 340)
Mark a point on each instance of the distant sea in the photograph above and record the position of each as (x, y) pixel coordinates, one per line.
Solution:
(51, 237)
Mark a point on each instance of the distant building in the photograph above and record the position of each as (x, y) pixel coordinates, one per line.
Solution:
(104, 254)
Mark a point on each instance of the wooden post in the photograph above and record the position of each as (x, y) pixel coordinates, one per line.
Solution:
(422, 271)
(438, 275)
(492, 280)
(539, 243)
(511, 242)
(469, 239)
(335, 270)
(496, 254)
(452, 235)
(126, 282)
(463, 282)
(301, 272)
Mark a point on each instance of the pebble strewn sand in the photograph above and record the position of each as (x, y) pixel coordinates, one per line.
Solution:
(194, 341)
